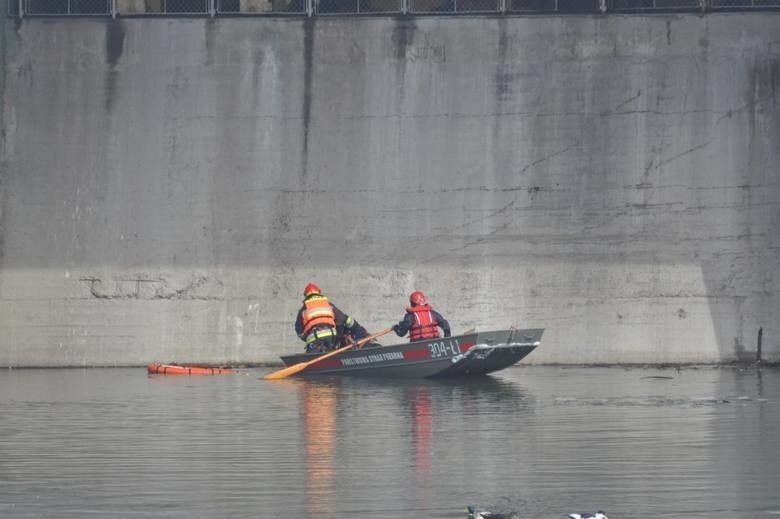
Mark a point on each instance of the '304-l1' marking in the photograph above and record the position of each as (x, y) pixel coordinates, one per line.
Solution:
(444, 349)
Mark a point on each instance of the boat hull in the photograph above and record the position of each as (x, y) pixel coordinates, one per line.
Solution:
(470, 354)
(175, 369)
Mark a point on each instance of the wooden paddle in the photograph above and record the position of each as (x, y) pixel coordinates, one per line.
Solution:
(296, 368)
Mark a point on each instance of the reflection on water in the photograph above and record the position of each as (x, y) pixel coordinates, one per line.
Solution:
(319, 422)
(421, 412)
(541, 440)
(409, 408)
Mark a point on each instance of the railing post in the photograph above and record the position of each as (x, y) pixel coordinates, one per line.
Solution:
(212, 8)
(703, 5)
(21, 9)
(310, 7)
(502, 6)
(113, 9)
(404, 7)
(603, 6)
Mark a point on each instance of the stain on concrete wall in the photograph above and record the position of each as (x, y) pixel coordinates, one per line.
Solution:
(115, 41)
(308, 72)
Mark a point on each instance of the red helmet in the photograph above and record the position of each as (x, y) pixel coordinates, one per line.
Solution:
(417, 298)
(310, 289)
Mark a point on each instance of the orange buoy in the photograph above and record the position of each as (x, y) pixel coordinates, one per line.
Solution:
(175, 369)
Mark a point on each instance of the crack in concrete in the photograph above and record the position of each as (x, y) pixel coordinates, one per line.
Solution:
(548, 157)
(680, 155)
(456, 115)
(497, 212)
(468, 244)
(728, 113)
(624, 103)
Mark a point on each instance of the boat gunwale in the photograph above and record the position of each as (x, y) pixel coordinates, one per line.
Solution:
(455, 364)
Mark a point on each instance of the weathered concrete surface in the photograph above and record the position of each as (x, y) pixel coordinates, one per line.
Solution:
(169, 186)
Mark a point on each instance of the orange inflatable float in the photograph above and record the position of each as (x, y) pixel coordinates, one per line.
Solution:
(175, 369)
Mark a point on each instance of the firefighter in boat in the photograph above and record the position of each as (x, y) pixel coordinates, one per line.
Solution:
(421, 320)
(322, 326)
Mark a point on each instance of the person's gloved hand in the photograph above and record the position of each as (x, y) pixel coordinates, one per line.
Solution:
(446, 333)
(395, 329)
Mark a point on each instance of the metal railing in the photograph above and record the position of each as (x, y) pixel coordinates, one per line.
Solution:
(261, 7)
(454, 6)
(555, 6)
(357, 6)
(65, 7)
(21, 8)
(743, 4)
(654, 5)
(161, 7)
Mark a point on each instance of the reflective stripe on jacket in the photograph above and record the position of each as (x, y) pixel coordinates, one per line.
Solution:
(317, 312)
(320, 333)
(424, 326)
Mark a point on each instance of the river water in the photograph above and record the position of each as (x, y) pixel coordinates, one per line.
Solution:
(545, 441)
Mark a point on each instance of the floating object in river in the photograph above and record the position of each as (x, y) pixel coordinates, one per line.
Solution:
(175, 369)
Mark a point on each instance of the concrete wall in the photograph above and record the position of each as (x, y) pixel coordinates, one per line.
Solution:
(170, 185)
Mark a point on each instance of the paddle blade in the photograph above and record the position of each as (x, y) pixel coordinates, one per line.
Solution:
(295, 368)
(286, 372)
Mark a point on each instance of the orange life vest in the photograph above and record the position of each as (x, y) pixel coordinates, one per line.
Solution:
(317, 311)
(424, 326)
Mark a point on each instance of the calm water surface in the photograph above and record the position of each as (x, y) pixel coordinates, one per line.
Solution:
(702, 443)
